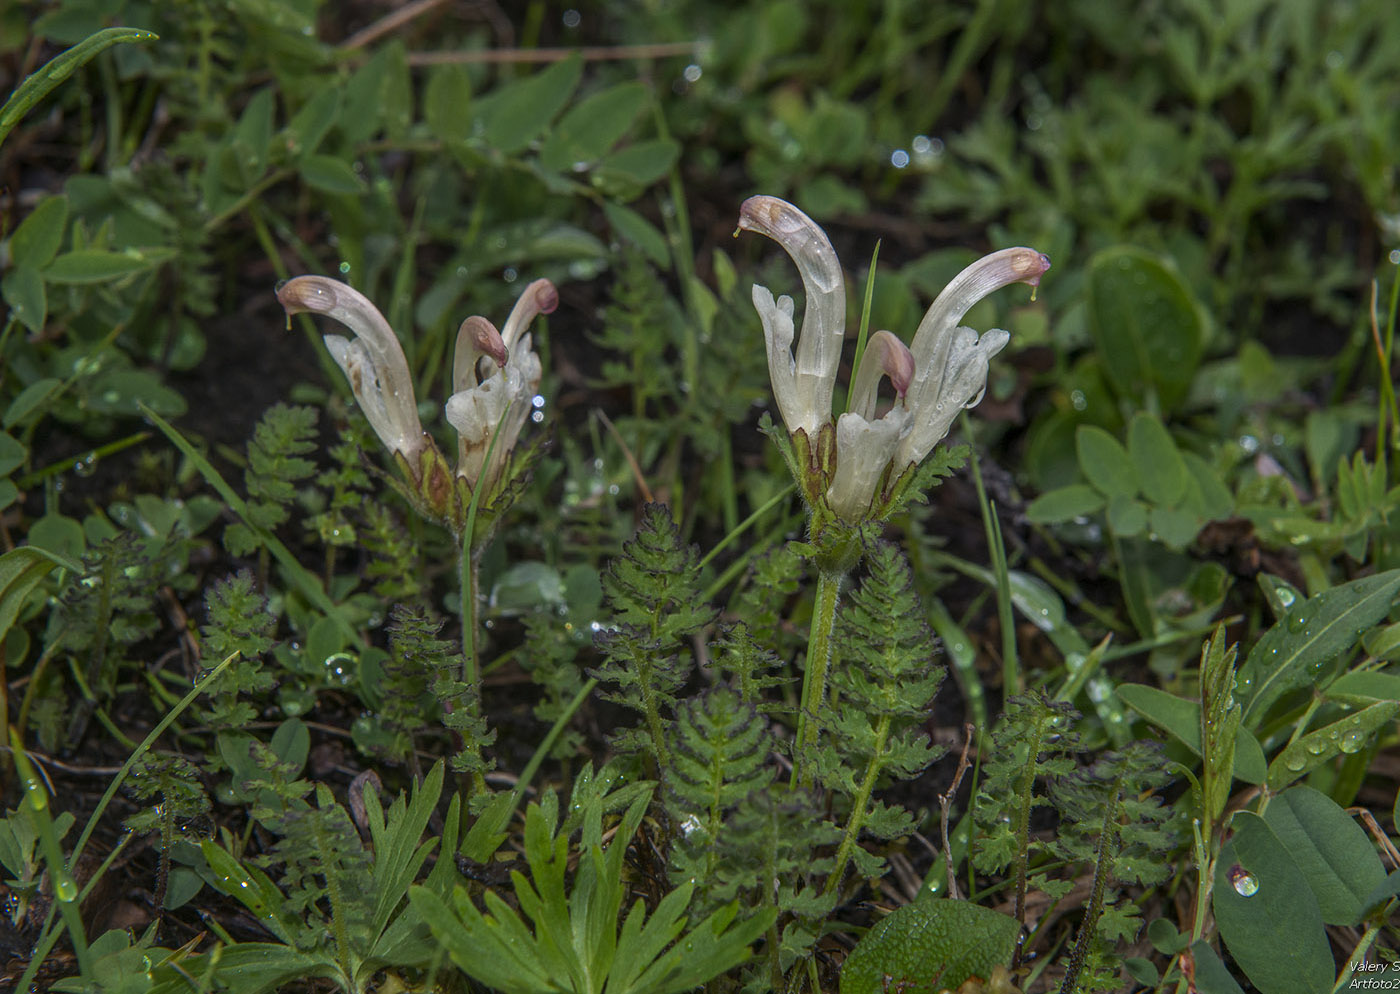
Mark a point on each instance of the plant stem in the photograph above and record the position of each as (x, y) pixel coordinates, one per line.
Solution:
(858, 811)
(814, 679)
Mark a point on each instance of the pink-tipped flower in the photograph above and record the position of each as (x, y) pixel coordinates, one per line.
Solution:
(504, 393)
(803, 384)
(373, 362)
(951, 363)
(943, 372)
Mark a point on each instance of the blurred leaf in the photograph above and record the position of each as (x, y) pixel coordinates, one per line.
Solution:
(1159, 465)
(1267, 914)
(642, 163)
(37, 239)
(447, 103)
(1334, 853)
(1149, 330)
(509, 118)
(96, 266)
(592, 126)
(1316, 632)
(29, 400)
(309, 126)
(1065, 504)
(1347, 735)
(1126, 516)
(1104, 462)
(528, 587)
(253, 134)
(23, 289)
(12, 454)
(330, 175)
(120, 391)
(639, 231)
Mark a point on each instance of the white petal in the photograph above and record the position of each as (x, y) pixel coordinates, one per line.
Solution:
(863, 450)
(357, 363)
(959, 384)
(797, 411)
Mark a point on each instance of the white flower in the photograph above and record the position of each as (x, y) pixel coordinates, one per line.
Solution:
(802, 386)
(374, 362)
(511, 376)
(950, 363)
(943, 372)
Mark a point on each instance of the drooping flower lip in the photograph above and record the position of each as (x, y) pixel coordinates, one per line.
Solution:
(1035, 267)
(314, 294)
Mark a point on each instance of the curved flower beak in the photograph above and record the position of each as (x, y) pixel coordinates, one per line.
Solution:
(373, 362)
(803, 384)
(504, 395)
(951, 363)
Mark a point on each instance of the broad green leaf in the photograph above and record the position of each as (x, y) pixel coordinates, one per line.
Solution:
(642, 163)
(1104, 462)
(1065, 504)
(1267, 914)
(96, 266)
(639, 231)
(447, 103)
(592, 126)
(1364, 688)
(1348, 735)
(37, 86)
(1182, 718)
(510, 118)
(1314, 633)
(23, 289)
(330, 175)
(37, 239)
(1158, 462)
(1334, 853)
(29, 400)
(528, 586)
(1149, 330)
(932, 945)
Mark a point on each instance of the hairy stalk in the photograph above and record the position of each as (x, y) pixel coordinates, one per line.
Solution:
(862, 802)
(652, 708)
(1023, 818)
(814, 679)
(1103, 868)
(342, 936)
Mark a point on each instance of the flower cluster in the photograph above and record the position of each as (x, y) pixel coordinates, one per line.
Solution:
(495, 376)
(942, 372)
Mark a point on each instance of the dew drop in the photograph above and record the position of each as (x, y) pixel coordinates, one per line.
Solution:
(1315, 747)
(1295, 763)
(1285, 596)
(1352, 741)
(65, 889)
(1245, 883)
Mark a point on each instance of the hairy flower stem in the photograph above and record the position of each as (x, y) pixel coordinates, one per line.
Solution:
(1023, 821)
(814, 679)
(862, 804)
